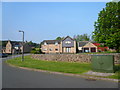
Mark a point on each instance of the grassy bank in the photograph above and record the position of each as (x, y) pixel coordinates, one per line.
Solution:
(66, 67)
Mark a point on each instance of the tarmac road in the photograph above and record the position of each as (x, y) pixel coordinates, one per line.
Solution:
(19, 78)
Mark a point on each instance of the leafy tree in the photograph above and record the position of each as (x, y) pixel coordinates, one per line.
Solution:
(83, 37)
(3, 43)
(107, 26)
(33, 44)
(36, 51)
(59, 38)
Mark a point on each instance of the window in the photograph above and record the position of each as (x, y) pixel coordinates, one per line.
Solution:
(16, 48)
(50, 49)
(45, 49)
(56, 49)
(67, 42)
(45, 43)
(56, 43)
(68, 50)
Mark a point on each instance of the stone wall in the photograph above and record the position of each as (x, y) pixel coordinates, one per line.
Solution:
(84, 58)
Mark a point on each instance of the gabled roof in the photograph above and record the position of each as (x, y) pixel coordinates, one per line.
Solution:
(54, 41)
(51, 41)
(82, 43)
(68, 37)
(14, 43)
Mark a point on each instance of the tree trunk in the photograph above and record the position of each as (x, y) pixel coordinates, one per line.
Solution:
(118, 49)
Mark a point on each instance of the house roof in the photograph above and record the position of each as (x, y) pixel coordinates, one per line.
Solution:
(68, 37)
(82, 43)
(14, 43)
(51, 41)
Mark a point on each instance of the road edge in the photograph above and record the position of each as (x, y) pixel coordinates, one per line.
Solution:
(67, 74)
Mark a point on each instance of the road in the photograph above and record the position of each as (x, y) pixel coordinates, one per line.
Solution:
(20, 78)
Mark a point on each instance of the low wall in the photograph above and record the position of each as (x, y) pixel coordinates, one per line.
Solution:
(83, 58)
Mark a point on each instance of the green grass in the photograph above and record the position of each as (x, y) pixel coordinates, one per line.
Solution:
(65, 67)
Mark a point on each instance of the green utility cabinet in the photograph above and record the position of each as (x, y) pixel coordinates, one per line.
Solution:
(103, 63)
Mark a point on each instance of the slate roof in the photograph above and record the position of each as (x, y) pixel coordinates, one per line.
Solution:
(68, 37)
(82, 43)
(14, 43)
(51, 41)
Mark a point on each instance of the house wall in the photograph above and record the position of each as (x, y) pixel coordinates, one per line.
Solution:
(3, 50)
(75, 47)
(71, 45)
(64, 44)
(60, 48)
(8, 48)
(79, 48)
(27, 48)
(52, 47)
(72, 49)
(89, 45)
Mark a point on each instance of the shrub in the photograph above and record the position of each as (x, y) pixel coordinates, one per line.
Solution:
(36, 51)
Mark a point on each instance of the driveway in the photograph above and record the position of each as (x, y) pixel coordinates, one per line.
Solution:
(20, 78)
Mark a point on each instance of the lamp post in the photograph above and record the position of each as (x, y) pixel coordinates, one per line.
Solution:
(22, 45)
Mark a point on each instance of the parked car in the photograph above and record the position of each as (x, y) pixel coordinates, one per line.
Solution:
(3, 55)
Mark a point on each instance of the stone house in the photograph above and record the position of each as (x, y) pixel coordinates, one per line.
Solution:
(67, 45)
(16, 47)
(87, 46)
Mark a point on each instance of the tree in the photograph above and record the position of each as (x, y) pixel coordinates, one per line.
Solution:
(59, 38)
(3, 43)
(83, 37)
(33, 44)
(107, 26)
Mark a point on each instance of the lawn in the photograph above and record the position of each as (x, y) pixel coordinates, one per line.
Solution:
(65, 67)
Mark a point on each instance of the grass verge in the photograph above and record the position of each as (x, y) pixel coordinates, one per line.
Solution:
(65, 67)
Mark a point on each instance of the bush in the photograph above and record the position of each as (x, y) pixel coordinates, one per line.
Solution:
(36, 51)
(33, 51)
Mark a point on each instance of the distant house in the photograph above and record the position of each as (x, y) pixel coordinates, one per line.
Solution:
(16, 47)
(3, 49)
(67, 45)
(86, 46)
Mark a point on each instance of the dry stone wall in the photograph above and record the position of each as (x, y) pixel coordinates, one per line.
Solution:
(83, 58)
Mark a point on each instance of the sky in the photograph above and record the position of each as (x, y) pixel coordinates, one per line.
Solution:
(48, 20)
